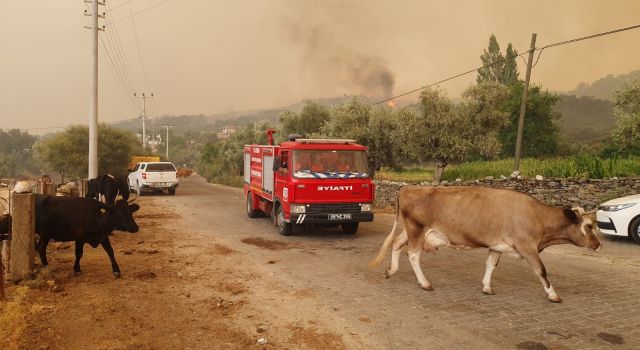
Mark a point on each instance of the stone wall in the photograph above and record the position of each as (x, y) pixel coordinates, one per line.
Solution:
(558, 192)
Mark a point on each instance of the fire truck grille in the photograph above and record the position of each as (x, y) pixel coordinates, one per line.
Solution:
(333, 208)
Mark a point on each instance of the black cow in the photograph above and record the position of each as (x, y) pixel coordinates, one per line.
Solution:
(82, 220)
(108, 186)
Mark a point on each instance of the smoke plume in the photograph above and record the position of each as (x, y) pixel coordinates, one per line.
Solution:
(329, 55)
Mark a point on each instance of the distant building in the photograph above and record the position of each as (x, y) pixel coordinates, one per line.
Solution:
(227, 131)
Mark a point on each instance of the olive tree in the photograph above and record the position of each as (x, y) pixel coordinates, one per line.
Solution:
(445, 132)
(66, 153)
(626, 134)
(368, 125)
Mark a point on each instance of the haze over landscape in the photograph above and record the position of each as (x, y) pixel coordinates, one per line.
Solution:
(204, 57)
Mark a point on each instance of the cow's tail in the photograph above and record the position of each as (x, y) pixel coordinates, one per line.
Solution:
(389, 240)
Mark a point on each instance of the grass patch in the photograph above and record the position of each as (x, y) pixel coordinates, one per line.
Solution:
(578, 167)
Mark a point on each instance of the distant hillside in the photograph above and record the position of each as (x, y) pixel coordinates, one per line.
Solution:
(603, 88)
(216, 122)
(585, 119)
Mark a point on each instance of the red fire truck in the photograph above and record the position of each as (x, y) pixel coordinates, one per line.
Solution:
(309, 181)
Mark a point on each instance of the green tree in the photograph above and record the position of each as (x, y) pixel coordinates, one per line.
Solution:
(444, 132)
(308, 122)
(222, 161)
(541, 135)
(504, 69)
(16, 159)
(66, 153)
(370, 126)
(626, 134)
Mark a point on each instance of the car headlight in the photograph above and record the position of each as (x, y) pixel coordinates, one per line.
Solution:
(616, 207)
(365, 207)
(297, 208)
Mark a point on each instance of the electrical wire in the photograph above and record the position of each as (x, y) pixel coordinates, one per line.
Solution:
(122, 4)
(119, 49)
(135, 33)
(560, 43)
(118, 69)
(141, 11)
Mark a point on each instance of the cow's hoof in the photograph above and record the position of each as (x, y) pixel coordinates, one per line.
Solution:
(117, 274)
(427, 287)
(555, 299)
(77, 273)
(387, 274)
(488, 291)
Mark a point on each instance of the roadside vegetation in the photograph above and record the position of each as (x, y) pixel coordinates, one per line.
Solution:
(575, 167)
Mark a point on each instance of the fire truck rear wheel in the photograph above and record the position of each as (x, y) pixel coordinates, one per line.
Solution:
(252, 213)
(284, 228)
(350, 228)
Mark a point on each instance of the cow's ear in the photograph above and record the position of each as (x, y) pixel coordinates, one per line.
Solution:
(570, 215)
(134, 207)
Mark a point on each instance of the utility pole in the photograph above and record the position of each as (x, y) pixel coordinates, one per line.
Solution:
(93, 104)
(144, 116)
(523, 106)
(167, 141)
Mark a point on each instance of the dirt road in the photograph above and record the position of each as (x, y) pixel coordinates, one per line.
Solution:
(201, 275)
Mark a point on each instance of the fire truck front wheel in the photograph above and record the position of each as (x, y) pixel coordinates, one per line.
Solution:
(284, 228)
(252, 213)
(350, 228)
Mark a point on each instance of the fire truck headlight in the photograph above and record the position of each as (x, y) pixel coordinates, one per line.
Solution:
(365, 207)
(297, 208)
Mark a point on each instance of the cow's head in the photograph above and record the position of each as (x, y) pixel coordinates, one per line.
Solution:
(122, 215)
(580, 229)
(92, 189)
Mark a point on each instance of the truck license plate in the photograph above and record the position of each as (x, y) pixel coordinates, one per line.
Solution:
(339, 216)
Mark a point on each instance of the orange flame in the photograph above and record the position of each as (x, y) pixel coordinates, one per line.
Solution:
(391, 104)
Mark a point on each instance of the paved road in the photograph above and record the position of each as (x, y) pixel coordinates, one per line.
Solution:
(601, 292)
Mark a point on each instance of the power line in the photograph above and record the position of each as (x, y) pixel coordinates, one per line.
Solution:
(119, 49)
(135, 32)
(118, 71)
(141, 11)
(122, 4)
(118, 77)
(560, 43)
(584, 38)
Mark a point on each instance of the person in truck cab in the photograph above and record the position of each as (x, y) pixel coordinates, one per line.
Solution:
(317, 165)
(302, 163)
(344, 166)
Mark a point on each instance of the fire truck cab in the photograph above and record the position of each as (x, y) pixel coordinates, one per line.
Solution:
(309, 181)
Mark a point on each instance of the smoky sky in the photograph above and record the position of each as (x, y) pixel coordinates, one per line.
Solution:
(208, 57)
(328, 56)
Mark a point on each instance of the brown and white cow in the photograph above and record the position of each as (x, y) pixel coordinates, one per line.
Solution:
(480, 217)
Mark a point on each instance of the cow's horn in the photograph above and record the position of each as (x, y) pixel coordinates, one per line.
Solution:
(132, 200)
(591, 212)
(6, 208)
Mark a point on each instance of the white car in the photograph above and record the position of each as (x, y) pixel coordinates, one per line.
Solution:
(153, 176)
(620, 217)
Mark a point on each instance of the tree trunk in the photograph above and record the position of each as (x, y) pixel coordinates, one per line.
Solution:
(440, 165)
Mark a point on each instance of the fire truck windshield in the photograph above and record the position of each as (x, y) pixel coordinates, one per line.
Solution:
(329, 164)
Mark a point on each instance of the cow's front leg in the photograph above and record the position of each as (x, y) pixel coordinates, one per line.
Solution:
(533, 258)
(42, 250)
(79, 252)
(106, 244)
(492, 262)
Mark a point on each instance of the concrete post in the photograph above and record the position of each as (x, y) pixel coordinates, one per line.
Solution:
(23, 213)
